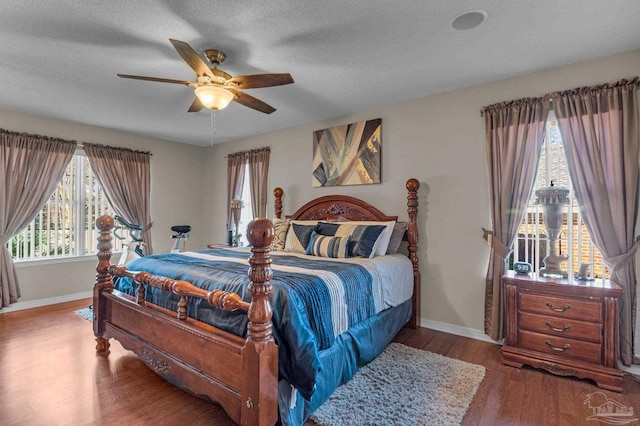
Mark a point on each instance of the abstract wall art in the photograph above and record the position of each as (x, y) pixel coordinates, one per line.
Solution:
(348, 154)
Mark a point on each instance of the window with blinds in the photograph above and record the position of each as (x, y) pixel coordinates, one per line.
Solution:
(65, 226)
(531, 244)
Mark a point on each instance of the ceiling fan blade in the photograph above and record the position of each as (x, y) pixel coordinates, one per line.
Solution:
(191, 57)
(159, 80)
(196, 105)
(251, 102)
(255, 81)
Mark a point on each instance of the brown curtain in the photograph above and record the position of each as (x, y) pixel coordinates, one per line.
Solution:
(235, 180)
(514, 133)
(599, 128)
(258, 173)
(31, 167)
(125, 176)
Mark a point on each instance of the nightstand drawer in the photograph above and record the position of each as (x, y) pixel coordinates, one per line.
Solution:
(561, 307)
(561, 327)
(561, 346)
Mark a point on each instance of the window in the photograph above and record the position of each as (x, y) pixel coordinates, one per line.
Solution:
(65, 226)
(243, 167)
(246, 214)
(574, 241)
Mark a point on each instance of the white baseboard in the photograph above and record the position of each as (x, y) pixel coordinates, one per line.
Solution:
(44, 302)
(479, 335)
(634, 369)
(457, 330)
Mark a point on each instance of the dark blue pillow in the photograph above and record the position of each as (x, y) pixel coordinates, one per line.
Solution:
(365, 237)
(327, 228)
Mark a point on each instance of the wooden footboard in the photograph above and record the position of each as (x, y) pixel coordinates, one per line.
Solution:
(239, 374)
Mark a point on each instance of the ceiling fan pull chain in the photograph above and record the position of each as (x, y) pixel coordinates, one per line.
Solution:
(213, 125)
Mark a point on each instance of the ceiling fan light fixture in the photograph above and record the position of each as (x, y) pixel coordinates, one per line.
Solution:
(214, 97)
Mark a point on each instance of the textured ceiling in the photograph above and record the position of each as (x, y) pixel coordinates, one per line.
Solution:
(60, 58)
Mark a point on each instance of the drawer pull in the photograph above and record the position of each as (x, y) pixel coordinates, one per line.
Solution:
(564, 308)
(559, 330)
(562, 349)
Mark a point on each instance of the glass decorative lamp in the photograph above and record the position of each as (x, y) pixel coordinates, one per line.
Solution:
(236, 208)
(553, 199)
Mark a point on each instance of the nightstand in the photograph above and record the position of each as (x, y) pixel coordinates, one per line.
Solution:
(566, 327)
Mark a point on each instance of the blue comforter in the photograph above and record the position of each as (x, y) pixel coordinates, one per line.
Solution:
(313, 301)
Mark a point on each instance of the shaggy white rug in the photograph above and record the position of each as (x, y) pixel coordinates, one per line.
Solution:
(404, 386)
(86, 313)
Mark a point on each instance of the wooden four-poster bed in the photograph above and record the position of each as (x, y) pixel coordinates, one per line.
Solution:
(260, 376)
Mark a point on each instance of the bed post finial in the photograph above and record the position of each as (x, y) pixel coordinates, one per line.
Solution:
(413, 185)
(277, 204)
(260, 355)
(105, 225)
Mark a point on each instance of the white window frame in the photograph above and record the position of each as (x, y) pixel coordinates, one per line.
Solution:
(246, 214)
(573, 235)
(81, 232)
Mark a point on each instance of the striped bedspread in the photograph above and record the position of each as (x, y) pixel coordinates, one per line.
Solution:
(313, 300)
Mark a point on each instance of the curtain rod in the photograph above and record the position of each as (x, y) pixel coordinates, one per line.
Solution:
(482, 110)
(81, 145)
(623, 82)
(239, 153)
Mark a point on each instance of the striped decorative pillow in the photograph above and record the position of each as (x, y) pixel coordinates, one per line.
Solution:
(298, 237)
(364, 236)
(324, 246)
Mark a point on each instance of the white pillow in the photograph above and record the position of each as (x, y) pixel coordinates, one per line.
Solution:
(383, 240)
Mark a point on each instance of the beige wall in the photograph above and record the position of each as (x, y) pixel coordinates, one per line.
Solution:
(440, 141)
(176, 187)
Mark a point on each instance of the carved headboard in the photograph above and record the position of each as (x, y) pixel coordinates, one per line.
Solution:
(333, 207)
(350, 208)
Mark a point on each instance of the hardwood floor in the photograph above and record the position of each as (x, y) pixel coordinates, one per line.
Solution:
(51, 375)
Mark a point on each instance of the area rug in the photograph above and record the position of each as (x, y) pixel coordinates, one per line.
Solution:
(86, 313)
(404, 386)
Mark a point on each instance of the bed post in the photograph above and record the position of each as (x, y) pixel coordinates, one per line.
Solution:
(277, 204)
(260, 354)
(103, 280)
(412, 236)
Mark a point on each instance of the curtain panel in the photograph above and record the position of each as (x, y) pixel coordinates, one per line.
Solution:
(599, 128)
(125, 176)
(514, 136)
(31, 167)
(235, 181)
(258, 173)
(257, 162)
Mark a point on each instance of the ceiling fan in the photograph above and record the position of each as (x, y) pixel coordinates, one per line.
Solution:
(215, 88)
